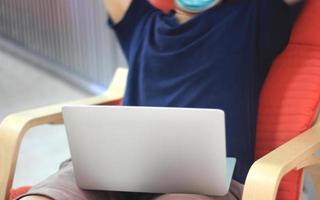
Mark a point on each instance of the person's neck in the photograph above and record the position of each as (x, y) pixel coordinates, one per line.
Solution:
(183, 16)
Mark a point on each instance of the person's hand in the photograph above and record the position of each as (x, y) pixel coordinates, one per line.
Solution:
(117, 8)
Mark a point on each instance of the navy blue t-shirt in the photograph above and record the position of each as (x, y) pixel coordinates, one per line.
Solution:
(218, 59)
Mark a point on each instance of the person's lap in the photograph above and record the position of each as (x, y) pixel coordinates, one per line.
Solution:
(62, 186)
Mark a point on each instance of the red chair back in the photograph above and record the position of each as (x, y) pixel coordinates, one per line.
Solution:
(164, 5)
(290, 97)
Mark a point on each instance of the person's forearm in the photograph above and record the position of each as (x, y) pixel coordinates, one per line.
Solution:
(116, 8)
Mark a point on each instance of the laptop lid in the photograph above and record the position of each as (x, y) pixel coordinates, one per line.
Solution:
(149, 149)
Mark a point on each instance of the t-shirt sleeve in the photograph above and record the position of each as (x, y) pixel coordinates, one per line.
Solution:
(276, 20)
(125, 29)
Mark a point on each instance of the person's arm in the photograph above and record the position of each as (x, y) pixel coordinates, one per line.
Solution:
(117, 9)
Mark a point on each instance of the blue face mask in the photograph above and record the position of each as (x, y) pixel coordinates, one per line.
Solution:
(195, 6)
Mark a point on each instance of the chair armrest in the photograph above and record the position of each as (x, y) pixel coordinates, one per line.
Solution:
(266, 173)
(14, 127)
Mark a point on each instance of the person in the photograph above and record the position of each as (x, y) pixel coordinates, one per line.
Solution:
(203, 54)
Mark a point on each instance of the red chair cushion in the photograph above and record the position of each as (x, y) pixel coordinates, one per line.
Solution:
(18, 192)
(113, 103)
(164, 5)
(307, 28)
(288, 105)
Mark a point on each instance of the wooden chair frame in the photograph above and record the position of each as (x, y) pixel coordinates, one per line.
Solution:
(299, 153)
(262, 181)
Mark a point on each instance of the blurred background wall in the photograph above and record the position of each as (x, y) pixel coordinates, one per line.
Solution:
(68, 37)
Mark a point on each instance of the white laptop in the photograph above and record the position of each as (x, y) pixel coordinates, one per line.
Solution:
(149, 149)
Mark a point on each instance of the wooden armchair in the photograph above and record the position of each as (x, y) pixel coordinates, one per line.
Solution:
(287, 134)
(289, 106)
(263, 179)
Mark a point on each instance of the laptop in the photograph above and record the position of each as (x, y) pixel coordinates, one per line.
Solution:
(149, 149)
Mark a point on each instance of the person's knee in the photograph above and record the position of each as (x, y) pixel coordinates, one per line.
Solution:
(35, 198)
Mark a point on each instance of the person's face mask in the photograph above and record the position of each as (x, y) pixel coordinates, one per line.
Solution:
(196, 6)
